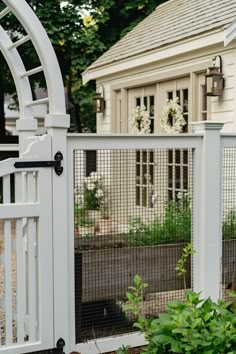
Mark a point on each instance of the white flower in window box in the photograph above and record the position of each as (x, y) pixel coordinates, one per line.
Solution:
(172, 120)
(140, 121)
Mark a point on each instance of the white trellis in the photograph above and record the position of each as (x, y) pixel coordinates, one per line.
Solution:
(56, 123)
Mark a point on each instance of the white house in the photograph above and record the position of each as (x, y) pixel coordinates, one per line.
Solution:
(166, 56)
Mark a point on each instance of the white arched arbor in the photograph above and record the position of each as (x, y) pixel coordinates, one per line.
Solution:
(56, 123)
(57, 117)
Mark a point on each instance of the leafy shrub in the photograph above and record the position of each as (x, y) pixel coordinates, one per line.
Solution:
(175, 226)
(229, 225)
(193, 326)
(92, 192)
(81, 217)
(124, 349)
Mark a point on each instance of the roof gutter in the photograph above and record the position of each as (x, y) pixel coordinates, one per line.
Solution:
(157, 55)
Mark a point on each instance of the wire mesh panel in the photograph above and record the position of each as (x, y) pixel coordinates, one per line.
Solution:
(229, 222)
(133, 214)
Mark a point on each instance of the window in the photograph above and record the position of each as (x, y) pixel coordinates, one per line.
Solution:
(90, 162)
(177, 173)
(203, 110)
(144, 177)
(145, 160)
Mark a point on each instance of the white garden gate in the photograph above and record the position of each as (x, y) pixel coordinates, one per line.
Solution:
(26, 262)
(34, 245)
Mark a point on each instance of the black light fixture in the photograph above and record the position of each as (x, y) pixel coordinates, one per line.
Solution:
(99, 102)
(214, 78)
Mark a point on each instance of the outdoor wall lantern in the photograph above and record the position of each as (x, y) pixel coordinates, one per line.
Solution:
(99, 102)
(215, 78)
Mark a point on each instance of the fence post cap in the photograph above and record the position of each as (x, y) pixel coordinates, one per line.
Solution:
(199, 127)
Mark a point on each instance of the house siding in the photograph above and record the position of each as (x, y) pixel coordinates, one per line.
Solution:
(222, 108)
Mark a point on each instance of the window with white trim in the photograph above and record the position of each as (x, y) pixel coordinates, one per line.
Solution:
(144, 177)
(145, 160)
(177, 173)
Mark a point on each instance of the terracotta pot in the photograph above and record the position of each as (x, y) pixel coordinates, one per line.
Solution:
(105, 226)
(76, 231)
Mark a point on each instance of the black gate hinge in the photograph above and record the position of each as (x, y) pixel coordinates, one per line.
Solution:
(56, 163)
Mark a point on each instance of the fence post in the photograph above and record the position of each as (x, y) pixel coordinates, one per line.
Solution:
(57, 125)
(207, 206)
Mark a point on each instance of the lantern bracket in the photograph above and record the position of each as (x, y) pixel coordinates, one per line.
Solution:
(221, 64)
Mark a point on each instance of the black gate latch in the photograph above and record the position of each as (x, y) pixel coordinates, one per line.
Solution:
(56, 163)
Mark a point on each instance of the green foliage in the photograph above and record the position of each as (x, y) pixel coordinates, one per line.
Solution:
(193, 326)
(92, 193)
(81, 217)
(182, 262)
(229, 225)
(175, 226)
(124, 349)
(135, 296)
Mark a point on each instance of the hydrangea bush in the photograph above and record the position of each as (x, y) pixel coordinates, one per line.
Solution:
(92, 193)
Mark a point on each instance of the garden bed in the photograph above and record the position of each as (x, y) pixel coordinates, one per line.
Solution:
(107, 273)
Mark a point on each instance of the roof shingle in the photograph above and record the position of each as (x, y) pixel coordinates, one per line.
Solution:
(173, 21)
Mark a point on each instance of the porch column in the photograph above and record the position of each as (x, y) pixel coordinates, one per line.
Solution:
(207, 211)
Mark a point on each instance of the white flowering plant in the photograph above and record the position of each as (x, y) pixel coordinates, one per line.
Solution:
(140, 121)
(92, 193)
(172, 120)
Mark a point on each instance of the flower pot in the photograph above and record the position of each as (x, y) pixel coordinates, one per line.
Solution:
(86, 231)
(105, 226)
(94, 215)
(76, 231)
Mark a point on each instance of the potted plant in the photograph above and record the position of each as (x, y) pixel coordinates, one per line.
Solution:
(91, 195)
(105, 222)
